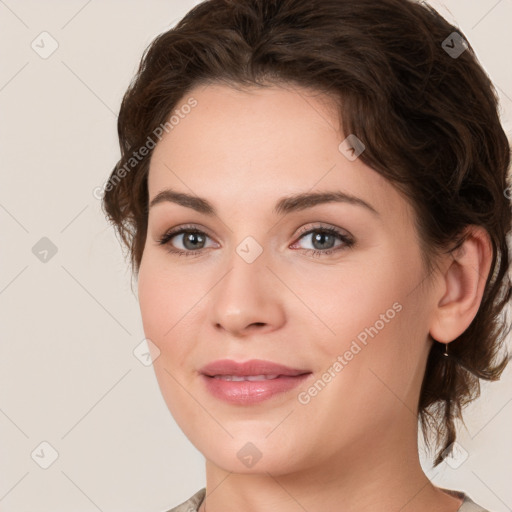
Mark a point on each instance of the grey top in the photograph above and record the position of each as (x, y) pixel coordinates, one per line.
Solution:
(193, 503)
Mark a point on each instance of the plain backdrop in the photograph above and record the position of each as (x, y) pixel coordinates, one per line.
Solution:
(73, 396)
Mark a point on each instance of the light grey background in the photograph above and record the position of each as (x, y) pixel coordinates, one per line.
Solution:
(69, 326)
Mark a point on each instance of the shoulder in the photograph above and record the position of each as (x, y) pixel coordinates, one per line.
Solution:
(192, 504)
(468, 505)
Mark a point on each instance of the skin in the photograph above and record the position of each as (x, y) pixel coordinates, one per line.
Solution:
(355, 442)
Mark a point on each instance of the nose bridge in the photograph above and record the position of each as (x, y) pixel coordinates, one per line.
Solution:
(245, 295)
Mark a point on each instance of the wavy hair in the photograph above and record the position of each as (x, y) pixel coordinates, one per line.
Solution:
(427, 116)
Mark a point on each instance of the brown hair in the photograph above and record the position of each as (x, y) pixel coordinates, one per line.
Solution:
(429, 121)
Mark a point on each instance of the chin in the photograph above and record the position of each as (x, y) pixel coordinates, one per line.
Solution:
(233, 464)
(259, 456)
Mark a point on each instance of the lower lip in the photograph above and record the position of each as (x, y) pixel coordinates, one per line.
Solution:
(250, 392)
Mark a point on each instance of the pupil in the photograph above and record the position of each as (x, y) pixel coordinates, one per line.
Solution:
(194, 238)
(320, 237)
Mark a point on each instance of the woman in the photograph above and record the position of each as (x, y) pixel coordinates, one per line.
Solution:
(314, 199)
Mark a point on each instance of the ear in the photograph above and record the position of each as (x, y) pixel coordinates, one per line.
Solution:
(462, 286)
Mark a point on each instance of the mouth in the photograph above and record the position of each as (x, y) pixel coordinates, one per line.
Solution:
(252, 368)
(250, 382)
(239, 378)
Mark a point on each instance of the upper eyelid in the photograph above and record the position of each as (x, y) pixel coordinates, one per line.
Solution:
(319, 226)
(303, 231)
(311, 226)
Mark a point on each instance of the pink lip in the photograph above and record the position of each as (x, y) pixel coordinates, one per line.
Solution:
(252, 367)
(250, 392)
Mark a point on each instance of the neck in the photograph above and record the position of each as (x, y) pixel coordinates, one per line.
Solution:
(378, 472)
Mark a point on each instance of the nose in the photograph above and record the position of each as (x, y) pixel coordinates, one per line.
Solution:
(248, 298)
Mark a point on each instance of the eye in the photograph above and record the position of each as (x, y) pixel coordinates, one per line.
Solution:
(190, 238)
(324, 239)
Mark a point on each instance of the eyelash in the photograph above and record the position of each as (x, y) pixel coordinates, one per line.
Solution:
(347, 241)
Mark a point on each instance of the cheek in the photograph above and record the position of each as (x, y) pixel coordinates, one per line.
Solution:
(166, 299)
(350, 302)
(155, 305)
(376, 324)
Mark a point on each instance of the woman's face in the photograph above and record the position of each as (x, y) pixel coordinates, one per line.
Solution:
(348, 309)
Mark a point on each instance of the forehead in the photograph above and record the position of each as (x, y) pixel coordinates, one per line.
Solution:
(256, 145)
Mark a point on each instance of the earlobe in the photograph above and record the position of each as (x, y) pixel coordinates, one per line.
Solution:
(464, 283)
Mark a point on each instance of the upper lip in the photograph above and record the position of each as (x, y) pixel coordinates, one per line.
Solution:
(246, 368)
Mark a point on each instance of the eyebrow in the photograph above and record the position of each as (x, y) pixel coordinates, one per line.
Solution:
(284, 206)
